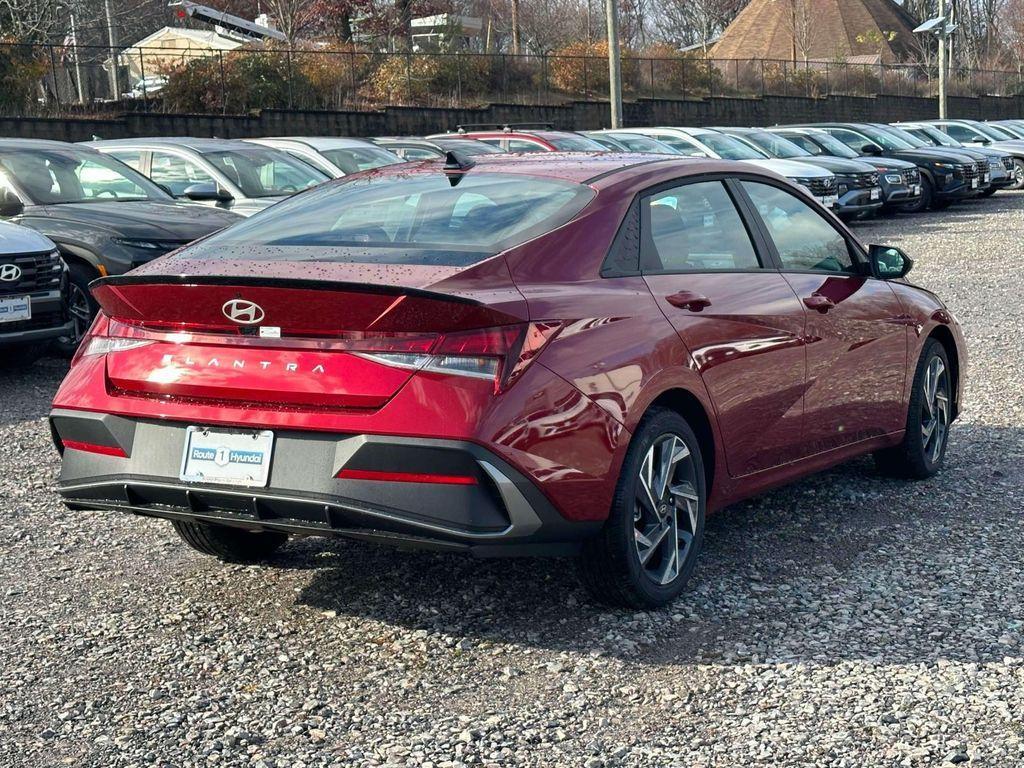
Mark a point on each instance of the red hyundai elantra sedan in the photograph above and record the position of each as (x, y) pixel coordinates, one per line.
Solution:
(530, 355)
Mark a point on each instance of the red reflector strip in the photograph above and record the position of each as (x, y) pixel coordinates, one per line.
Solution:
(405, 477)
(106, 450)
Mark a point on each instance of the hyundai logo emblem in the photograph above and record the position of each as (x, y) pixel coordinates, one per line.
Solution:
(243, 312)
(10, 273)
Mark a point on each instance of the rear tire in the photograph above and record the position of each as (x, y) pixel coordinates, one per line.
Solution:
(923, 449)
(648, 548)
(232, 545)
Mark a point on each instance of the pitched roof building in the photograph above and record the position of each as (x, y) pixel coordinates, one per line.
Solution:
(823, 30)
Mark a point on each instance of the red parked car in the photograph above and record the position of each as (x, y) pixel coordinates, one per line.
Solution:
(519, 139)
(530, 355)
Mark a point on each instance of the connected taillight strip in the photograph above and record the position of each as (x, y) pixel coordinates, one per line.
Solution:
(405, 477)
(106, 450)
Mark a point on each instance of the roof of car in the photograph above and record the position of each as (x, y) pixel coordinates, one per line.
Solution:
(188, 142)
(36, 144)
(578, 167)
(320, 142)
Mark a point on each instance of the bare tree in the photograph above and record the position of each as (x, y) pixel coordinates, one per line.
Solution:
(694, 22)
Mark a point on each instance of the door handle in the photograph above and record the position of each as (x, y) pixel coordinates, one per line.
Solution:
(821, 303)
(688, 300)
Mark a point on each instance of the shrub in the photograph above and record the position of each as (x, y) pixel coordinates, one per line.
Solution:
(21, 69)
(581, 69)
(429, 79)
(247, 80)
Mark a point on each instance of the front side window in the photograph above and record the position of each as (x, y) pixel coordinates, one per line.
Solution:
(407, 219)
(419, 153)
(53, 176)
(264, 172)
(679, 144)
(804, 239)
(696, 227)
(805, 144)
(176, 173)
(854, 141)
(775, 145)
(636, 142)
(962, 133)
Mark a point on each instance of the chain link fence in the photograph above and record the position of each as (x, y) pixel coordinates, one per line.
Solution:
(50, 80)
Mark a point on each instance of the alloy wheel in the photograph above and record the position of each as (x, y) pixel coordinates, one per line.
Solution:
(935, 409)
(80, 312)
(666, 511)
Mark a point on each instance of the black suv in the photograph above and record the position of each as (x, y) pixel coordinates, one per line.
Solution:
(947, 175)
(33, 284)
(105, 217)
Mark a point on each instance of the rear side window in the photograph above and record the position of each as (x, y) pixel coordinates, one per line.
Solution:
(696, 227)
(418, 219)
(804, 239)
(523, 145)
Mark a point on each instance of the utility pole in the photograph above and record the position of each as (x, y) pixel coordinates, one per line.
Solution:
(942, 59)
(515, 28)
(614, 64)
(78, 63)
(112, 42)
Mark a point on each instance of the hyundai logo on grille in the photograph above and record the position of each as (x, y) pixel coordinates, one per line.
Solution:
(10, 273)
(243, 312)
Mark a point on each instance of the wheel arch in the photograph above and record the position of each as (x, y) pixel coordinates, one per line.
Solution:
(75, 255)
(944, 336)
(689, 406)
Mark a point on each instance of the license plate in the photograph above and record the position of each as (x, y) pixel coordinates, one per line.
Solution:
(876, 193)
(829, 200)
(227, 457)
(974, 183)
(15, 308)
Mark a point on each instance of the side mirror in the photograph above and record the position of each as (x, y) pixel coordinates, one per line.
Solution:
(10, 205)
(888, 262)
(871, 149)
(985, 142)
(206, 190)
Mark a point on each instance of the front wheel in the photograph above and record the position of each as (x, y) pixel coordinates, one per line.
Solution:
(923, 449)
(81, 307)
(1018, 173)
(648, 548)
(232, 545)
(924, 201)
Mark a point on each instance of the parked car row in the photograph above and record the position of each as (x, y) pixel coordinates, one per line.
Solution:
(107, 207)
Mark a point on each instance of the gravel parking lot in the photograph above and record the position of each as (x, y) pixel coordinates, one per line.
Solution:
(848, 620)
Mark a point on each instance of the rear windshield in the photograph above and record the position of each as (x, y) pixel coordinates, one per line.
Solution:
(574, 144)
(405, 219)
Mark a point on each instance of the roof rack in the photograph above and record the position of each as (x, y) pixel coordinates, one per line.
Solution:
(505, 127)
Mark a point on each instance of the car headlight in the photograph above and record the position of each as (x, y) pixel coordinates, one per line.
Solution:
(146, 245)
(947, 166)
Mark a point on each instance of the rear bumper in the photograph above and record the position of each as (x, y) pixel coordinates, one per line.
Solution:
(501, 513)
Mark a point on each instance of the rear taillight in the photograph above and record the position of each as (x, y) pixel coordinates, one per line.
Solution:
(105, 336)
(498, 354)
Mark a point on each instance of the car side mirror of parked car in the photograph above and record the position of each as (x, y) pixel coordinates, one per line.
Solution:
(10, 205)
(871, 149)
(207, 190)
(889, 262)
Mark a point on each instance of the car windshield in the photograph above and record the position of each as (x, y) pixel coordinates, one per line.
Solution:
(680, 145)
(938, 137)
(469, 147)
(574, 144)
(833, 146)
(994, 133)
(54, 176)
(775, 145)
(406, 219)
(884, 139)
(355, 159)
(908, 137)
(729, 148)
(1015, 130)
(265, 172)
(636, 142)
